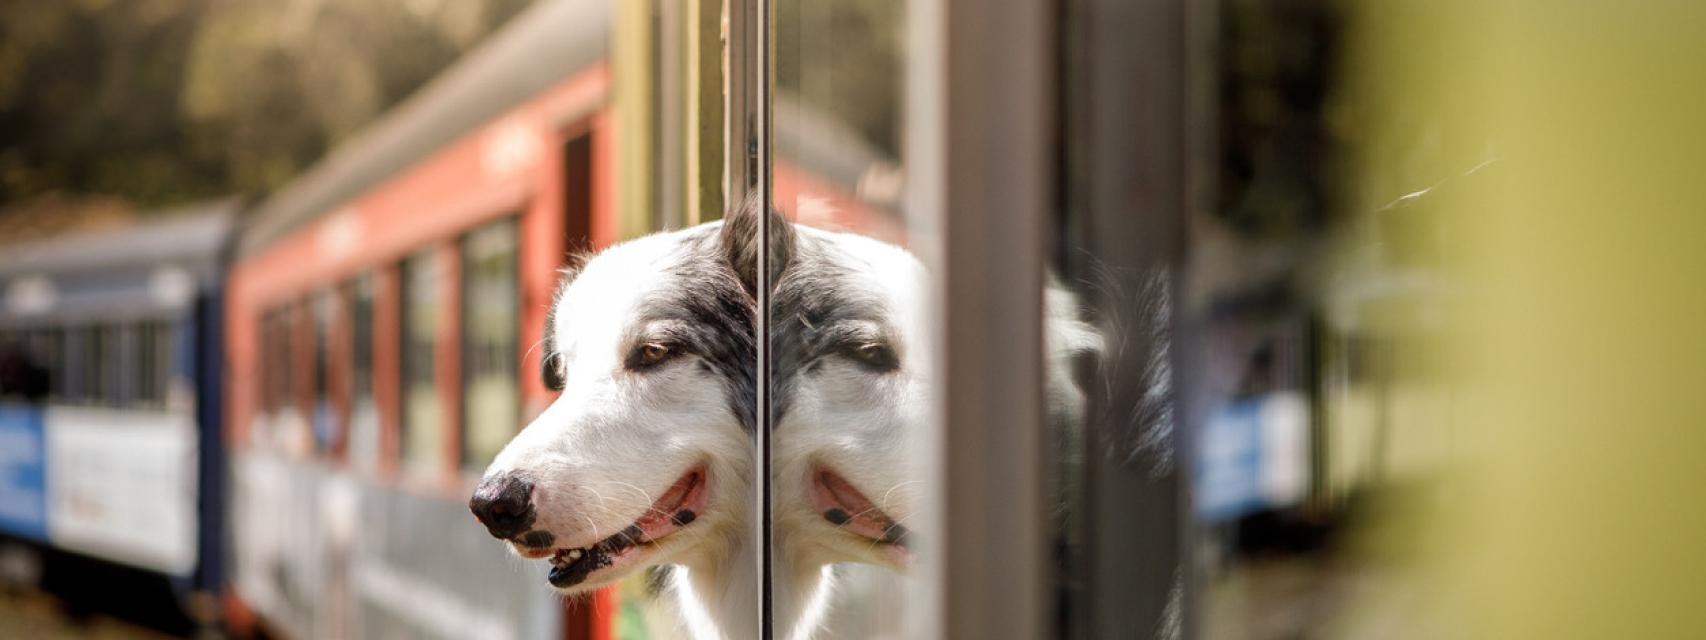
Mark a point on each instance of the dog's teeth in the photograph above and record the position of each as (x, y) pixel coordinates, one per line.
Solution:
(574, 554)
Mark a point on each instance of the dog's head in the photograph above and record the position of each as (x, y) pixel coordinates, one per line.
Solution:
(851, 371)
(645, 457)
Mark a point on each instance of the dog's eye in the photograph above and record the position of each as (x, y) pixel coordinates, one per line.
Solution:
(649, 354)
(875, 356)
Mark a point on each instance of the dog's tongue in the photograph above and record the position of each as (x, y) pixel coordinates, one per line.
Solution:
(848, 508)
(672, 510)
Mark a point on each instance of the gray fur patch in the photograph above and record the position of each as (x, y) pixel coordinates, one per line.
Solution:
(818, 310)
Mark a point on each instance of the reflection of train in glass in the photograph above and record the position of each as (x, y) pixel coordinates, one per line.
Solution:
(110, 396)
(1313, 403)
(289, 412)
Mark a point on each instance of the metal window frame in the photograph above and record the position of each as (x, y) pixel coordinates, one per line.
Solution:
(747, 175)
(1134, 136)
(979, 148)
(984, 92)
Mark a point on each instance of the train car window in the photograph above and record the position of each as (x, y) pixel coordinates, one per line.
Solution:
(491, 404)
(326, 419)
(422, 441)
(126, 384)
(577, 187)
(278, 427)
(363, 445)
(24, 366)
(12, 359)
(143, 359)
(152, 363)
(49, 351)
(108, 358)
(270, 380)
(76, 341)
(86, 367)
(53, 354)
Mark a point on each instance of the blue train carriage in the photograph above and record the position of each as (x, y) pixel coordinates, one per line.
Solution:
(110, 391)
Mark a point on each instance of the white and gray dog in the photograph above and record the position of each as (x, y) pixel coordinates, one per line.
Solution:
(646, 458)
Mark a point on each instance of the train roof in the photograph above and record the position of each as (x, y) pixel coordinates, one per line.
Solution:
(542, 46)
(144, 269)
(189, 236)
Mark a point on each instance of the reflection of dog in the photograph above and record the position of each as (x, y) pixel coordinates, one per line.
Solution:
(851, 371)
(852, 368)
(646, 456)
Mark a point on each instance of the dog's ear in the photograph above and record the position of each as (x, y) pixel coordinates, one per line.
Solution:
(549, 372)
(740, 242)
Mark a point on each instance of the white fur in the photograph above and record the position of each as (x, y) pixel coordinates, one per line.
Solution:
(862, 424)
(613, 441)
(865, 425)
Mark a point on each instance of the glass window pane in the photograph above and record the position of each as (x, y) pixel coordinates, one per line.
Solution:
(422, 410)
(147, 370)
(54, 354)
(326, 419)
(848, 359)
(363, 447)
(107, 351)
(78, 343)
(491, 394)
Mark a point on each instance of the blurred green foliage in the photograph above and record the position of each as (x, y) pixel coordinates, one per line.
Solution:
(162, 101)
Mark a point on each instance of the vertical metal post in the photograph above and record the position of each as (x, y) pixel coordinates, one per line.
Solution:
(979, 156)
(761, 160)
(748, 174)
(632, 59)
(740, 67)
(1127, 138)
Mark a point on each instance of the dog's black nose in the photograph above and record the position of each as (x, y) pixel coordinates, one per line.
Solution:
(504, 503)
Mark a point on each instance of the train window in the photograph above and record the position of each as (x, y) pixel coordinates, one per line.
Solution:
(363, 445)
(107, 359)
(152, 347)
(327, 422)
(279, 424)
(269, 376)
(124, 365)
(142, 361)
(51, 350)
(23, 367)
(422, 411)
(72, 367)
(491, 390)
(12, 359)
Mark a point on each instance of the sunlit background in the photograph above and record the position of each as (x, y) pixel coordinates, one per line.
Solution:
(1434, 275)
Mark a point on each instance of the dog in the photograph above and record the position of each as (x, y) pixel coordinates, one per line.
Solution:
(645, 461)
(853, 343)
(645, 458)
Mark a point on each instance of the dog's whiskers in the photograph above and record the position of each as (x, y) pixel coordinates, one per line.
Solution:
(895, 488)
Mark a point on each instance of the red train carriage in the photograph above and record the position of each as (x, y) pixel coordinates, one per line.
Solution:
(382, 310)
(384, 307)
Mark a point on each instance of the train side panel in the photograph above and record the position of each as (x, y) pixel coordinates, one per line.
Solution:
(326, 543)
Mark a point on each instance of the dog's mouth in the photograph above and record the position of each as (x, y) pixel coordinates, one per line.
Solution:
(678, 507)
(844, 506)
